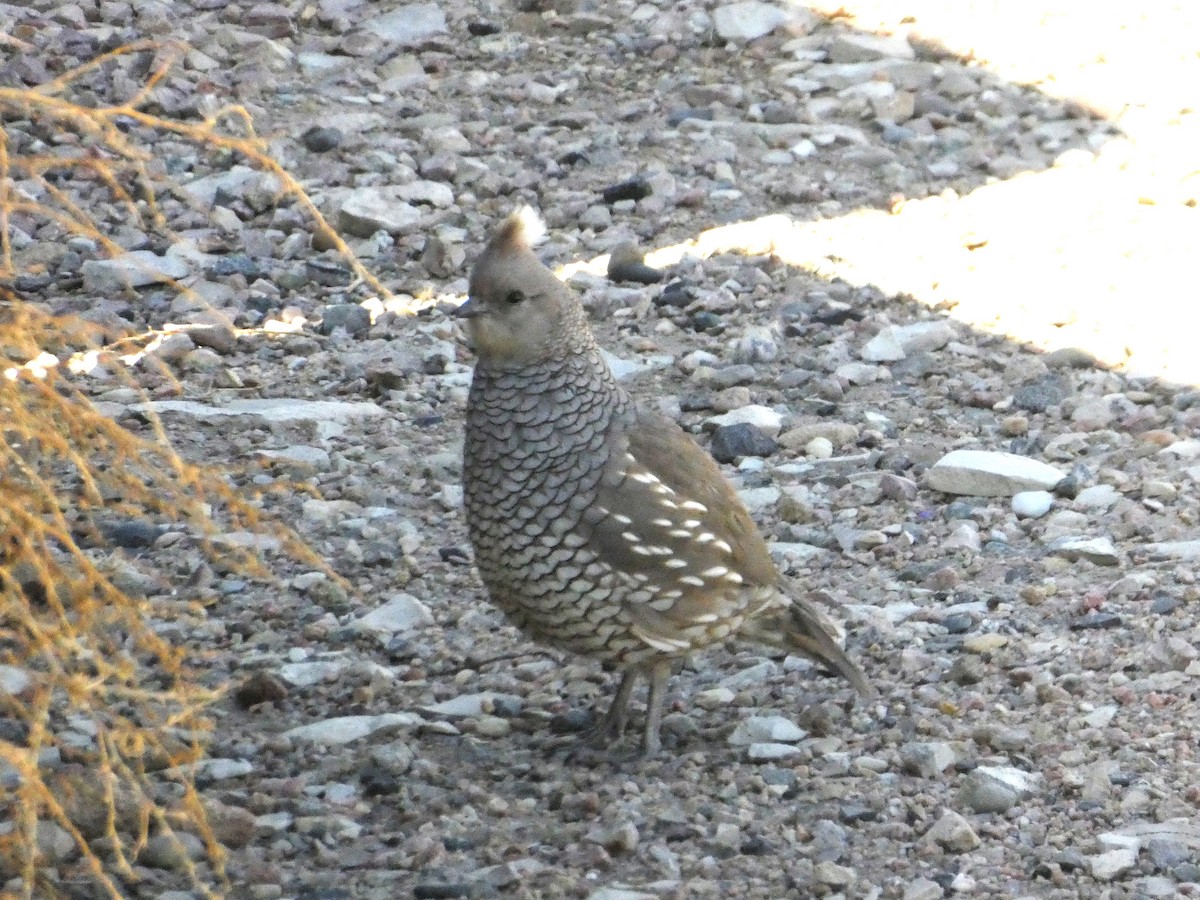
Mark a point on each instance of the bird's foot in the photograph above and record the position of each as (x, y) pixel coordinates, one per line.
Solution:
(608, 730)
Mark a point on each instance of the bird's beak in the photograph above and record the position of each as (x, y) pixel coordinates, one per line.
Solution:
(469, 310)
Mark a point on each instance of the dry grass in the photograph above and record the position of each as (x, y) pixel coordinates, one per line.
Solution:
(101, 719)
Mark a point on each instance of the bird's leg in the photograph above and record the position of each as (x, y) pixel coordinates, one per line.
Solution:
(612, 725)
(659, 673)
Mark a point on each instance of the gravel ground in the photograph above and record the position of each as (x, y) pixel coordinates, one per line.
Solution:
(1034, 634)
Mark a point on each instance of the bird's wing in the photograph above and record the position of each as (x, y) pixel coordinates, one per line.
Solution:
(666, 517)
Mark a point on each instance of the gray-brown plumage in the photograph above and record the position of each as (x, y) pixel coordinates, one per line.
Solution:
(599, 526)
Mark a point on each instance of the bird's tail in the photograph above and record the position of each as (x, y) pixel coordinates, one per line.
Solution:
(801, 627)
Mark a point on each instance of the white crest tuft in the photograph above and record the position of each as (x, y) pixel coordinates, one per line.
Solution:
(522, 230)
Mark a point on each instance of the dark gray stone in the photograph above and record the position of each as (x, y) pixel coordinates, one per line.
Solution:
(731, 442)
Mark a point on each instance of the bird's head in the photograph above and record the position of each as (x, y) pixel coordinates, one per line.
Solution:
(517, 311)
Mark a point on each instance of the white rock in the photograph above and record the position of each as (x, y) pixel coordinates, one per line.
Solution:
(204, 190)
(1095, 550)
(280, 821)
(471, 704)
(300, 455)
(767, 729)
(1023, 784)
(1137, 834)
(895, 613)
(754, 675)
(884, 347)
(344, 729)
(953, 832)
(860, 373)
(134, 269)
(787, 552)
(306, 674)
(760, 498)
(408, 25)
(1098, 496)
(1113, 864)
(611, 893)
(928, 759)
(627, 368)
(249, 540)
(714, 698)
(1186, 550)
(451, 496)
(1064, 523)
(365, 211)
(1101, 716)
(767, 750)
(1032, 504)
(923, 889)
(330, 416)
(990, 473)
(854, 47)
(314, 65)
(965, 536)
(221, 769)
(756, 345)
(819, 448)
(924, 337)
(1188, 449)
(14, 680)
(431, 193)
(747, 21)
(401, 613)
(763, 417)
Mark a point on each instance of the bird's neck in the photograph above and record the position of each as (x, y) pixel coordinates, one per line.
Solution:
(574, 368)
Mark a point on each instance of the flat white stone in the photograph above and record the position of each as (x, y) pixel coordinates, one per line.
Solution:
(762, 417)
(747, 21)
(134, 269)
(793, 552)
(884, 347)
(14, 680)
(627, 368)
(1113, 864)
(1095, 550)
(610, 893)
(430, 193)
(330, 416)
(760, 497)
(1174, 550)
(755, 674)
(408, 25)
(344, 729)
(470, 704)
(221, 769)
(1138, 834)
(300, 455)
(1098, 496)
(401, 613)
(306, 674)
(364, 211)
(854, 47)
(769, 750)
(767, 729)
(990, 473)
(1024, 784)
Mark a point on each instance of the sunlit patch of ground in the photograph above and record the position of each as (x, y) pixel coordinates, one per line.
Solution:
(1098, 252)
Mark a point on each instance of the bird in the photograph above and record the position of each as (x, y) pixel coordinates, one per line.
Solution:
(599, 526)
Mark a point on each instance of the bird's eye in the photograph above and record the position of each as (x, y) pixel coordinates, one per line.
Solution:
(515, 297)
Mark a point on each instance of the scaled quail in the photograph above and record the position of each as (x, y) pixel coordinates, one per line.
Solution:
(599, 526)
